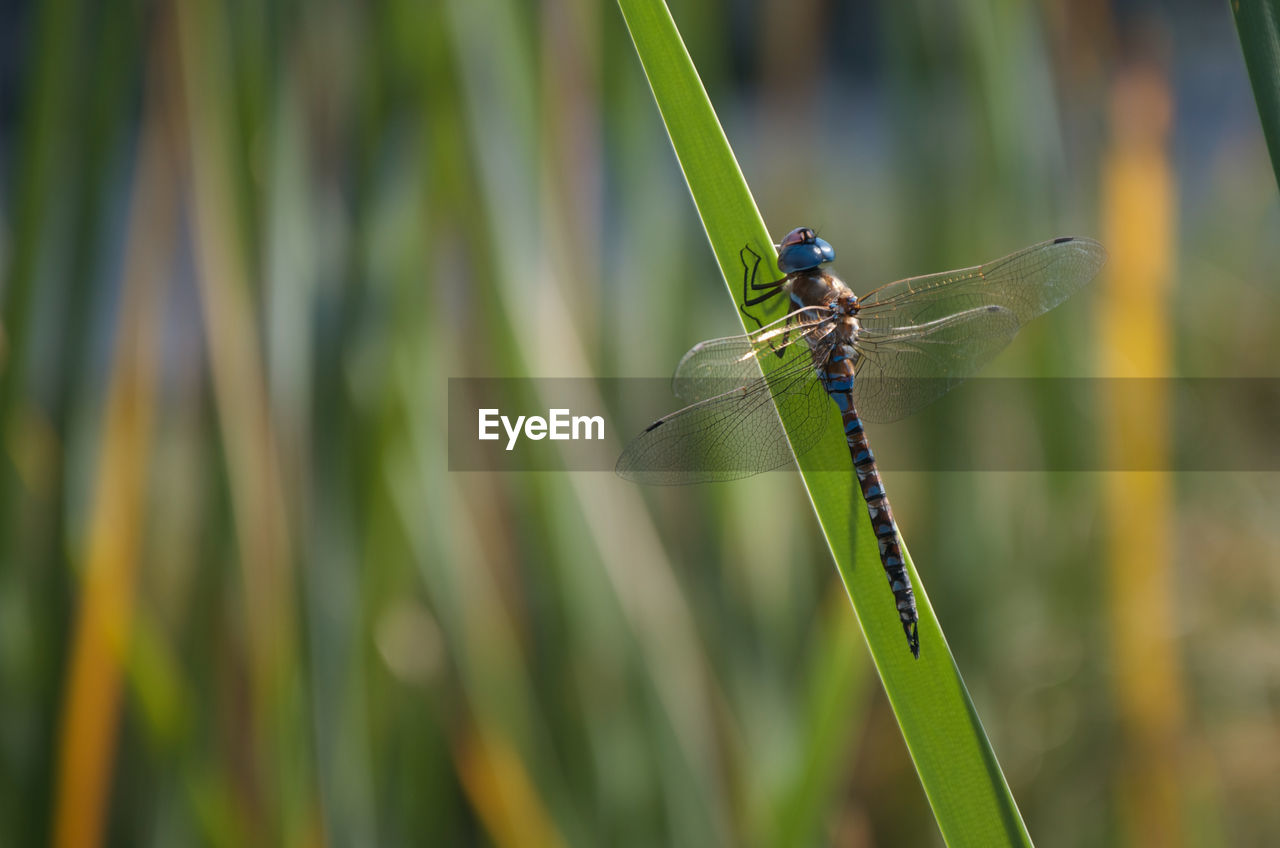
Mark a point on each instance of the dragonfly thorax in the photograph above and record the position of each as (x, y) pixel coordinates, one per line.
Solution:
(818, 288)
(846, 303)
(815, 287)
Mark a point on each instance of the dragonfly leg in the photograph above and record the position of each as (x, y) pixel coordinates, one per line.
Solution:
(755, 265)
(761, 298)
(791, 317)
(749, 272)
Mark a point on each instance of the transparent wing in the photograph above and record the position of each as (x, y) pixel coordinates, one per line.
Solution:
(717, 365)
(901, 369)
(737, 432)
(1028, 283)
(921, 336)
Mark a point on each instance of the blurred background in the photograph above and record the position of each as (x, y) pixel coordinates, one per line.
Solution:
(244, 601)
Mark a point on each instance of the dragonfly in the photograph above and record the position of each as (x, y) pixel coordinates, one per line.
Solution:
(878, 357)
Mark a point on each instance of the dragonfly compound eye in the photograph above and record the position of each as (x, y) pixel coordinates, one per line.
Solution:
(802, 250)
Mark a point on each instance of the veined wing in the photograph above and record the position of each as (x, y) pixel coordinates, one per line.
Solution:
(736, 433)
(1027, 283)
(902, 369)
(714, 366)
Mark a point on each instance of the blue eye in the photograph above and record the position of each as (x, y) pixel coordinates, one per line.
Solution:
(802, 250)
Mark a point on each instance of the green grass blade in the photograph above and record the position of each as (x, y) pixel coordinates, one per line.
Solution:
(957, 767)
(1258, 22)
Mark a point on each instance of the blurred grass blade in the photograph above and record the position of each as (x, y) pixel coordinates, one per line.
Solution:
(92, 705)
(256, 492)
(1139, 196)
(957, 767)
(834, 714)
(1258, 22)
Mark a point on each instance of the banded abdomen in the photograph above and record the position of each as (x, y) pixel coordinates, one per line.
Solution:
(837, 375)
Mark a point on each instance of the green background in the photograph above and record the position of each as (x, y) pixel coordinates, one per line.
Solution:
(243, 600)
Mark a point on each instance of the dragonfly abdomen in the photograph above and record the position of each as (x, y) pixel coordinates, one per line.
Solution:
(837, 378)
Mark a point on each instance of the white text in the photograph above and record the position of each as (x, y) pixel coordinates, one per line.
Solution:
(559, 426)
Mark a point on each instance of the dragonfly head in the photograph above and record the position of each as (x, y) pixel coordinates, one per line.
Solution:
(802, 250)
